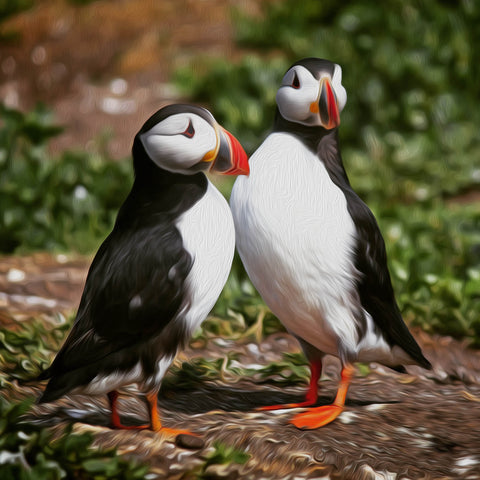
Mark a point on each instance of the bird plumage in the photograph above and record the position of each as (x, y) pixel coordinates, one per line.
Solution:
(310, 245)
(160, 271)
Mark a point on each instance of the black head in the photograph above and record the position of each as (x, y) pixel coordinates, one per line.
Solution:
(186, 139)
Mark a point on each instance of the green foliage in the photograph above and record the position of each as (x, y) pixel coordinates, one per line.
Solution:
(26, 350)
(194, 372)
(435, 265)
(291, 370)
(66, 203)
(29, 452)
(223, 455)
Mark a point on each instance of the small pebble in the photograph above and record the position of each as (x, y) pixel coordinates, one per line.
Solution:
(184, 440)
(14, 275)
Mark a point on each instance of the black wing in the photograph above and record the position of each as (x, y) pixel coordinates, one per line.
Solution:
(374, 283)
(134, 288)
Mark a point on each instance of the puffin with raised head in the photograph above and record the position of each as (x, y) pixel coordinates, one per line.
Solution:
(312, 247)
(162, 268)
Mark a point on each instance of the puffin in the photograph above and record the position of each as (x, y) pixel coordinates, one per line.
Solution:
(160, 271)
(311, 247)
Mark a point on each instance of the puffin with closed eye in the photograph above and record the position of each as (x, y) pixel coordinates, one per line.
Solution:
(312, 247)
(162, 268)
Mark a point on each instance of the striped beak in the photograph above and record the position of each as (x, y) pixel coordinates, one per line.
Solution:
(231, 158)
(327, 105)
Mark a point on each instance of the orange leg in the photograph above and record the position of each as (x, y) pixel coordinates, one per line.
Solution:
(116, 422)
(312, 393)
(319, 416)
(155, 422)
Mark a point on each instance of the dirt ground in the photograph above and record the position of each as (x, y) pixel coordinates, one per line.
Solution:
(420, 425)
(104, 68)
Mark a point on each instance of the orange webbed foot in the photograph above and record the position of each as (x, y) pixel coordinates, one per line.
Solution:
(316, 417)
(319, 416)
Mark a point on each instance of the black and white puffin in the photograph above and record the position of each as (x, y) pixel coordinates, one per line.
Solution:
(162, 268)
(311, 246)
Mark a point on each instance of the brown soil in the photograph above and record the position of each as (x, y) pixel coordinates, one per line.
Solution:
(421, 425)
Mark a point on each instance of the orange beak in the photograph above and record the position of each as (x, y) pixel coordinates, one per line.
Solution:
(326, 106)
(231, 158)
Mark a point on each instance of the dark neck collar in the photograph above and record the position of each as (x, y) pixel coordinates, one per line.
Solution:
(322, 142)
(310, 136)
(157, 194)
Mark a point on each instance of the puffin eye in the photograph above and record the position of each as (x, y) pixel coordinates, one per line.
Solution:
(190, 131)
(296, 81)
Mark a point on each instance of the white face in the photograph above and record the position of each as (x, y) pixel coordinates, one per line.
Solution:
(181, 141)
(299, 95)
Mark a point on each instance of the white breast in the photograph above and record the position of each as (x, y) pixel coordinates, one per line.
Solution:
(209, 236)
(296, 239)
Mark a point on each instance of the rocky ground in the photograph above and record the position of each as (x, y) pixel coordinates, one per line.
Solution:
(106, 67)
(421, 425)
